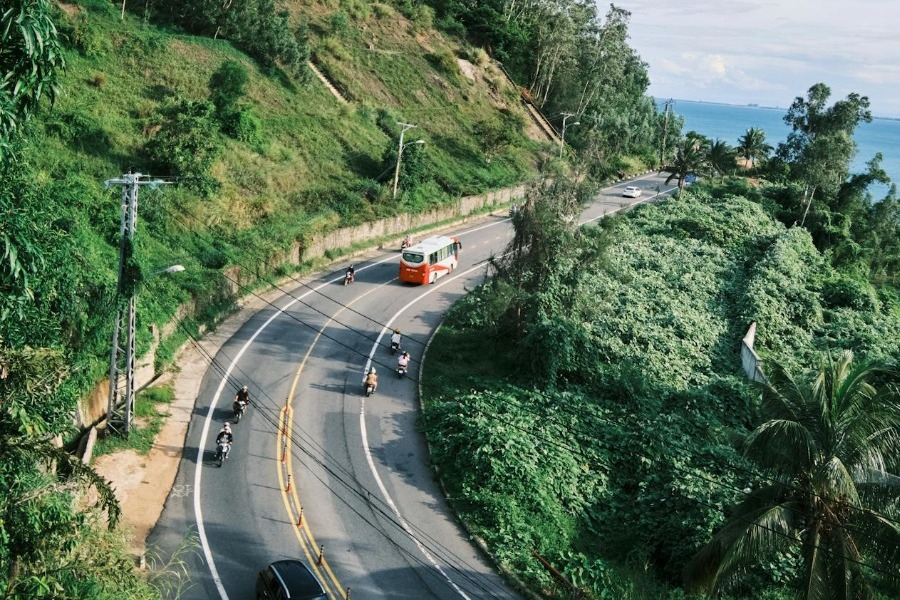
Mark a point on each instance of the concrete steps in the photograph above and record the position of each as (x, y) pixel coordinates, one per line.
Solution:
(334, 91)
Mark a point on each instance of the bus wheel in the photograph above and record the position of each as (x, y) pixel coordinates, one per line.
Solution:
(433, 278)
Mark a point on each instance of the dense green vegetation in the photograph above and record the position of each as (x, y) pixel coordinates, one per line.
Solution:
(216, 98)
(608, 438)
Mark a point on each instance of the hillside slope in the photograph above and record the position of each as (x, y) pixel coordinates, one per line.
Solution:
(136, 95)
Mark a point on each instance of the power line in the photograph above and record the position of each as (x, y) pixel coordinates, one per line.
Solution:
(339, 473)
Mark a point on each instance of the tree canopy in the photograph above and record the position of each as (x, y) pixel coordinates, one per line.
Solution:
(30, 61)
(827, 454)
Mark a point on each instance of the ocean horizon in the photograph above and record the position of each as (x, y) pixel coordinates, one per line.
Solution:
(729, 122)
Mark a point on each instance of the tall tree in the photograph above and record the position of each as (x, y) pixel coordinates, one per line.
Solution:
(752, 146)
(828, 454)
(820, 147)
(30, 60)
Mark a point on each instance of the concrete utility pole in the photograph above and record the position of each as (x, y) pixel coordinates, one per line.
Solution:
(562, 139)
(406, 127)
(662, 149)
(120, 413)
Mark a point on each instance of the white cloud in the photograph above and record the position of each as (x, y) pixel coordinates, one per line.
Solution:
(768, 51)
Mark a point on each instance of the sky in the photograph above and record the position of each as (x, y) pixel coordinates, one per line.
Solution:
(767, 52)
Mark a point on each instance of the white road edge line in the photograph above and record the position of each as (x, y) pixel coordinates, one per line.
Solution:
(198, 510)
(365, 436)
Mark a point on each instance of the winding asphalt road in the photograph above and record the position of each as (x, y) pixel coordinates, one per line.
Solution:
(316, 465)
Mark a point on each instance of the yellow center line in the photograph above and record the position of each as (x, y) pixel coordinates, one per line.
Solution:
(285, 427)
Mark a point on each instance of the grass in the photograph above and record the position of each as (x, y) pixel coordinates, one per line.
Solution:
(316, 168)
(149, 415)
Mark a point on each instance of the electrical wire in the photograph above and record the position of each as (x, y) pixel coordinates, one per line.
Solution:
(339, 473)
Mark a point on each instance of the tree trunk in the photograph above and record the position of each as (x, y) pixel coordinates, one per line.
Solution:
(808, 204)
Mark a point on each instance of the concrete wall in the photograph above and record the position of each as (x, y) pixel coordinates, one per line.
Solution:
(750, 360)
(400, 224)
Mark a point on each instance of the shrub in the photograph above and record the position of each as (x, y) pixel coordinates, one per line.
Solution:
(445, 61)
(186, 143)
(382, 10)
(451, 26)
(89, 39)
(244, 126)
(98, 80)
(423, 18)
(227, 85)
(81, 129)
(339, 23)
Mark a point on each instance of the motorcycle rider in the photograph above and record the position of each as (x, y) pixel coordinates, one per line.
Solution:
(350, 275)
(403, 361)
(241, 400)
(395, 340)
(371, 379)
(225, 434)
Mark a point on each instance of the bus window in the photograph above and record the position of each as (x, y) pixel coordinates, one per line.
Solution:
(433, 258)
(412, 257)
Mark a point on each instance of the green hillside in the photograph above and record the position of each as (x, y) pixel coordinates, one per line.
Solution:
(257, 154)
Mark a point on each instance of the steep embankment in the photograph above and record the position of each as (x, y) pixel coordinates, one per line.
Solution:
(281, 159)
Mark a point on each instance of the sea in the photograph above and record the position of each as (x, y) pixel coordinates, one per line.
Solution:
(729, 122)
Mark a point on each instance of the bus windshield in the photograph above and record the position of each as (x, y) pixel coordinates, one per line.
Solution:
(413, 257)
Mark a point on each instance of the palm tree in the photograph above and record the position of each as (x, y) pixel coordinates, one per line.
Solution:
(752, 146)
(691, 156)
(826, 450)
(721, 157)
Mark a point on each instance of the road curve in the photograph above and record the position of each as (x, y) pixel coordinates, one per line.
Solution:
(356, 466)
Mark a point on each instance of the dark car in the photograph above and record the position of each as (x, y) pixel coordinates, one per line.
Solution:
(285, 579)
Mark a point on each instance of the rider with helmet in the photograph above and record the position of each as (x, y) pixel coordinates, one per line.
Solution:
(395, 340)
(225, 435)
(241, 400)
(371, 379)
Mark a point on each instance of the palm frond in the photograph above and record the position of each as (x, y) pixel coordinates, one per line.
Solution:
(757, 528)
(782, 446)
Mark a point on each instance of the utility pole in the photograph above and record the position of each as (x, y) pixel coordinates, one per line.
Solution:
(662, 149)
(406, 127)
(120, 413)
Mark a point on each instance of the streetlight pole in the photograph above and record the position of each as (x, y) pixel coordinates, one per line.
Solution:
(120, 412)
(662, 149)
(562, 139)
(406, 127)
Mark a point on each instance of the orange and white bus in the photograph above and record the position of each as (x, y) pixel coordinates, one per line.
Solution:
(429, 259)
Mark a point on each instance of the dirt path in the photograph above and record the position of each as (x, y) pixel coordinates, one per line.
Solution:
(142, 483)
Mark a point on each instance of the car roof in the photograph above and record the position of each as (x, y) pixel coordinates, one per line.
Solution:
(297, 579)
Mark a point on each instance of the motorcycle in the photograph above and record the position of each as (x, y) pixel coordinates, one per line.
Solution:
(239, 408)
(401, 371)
(349, 278)
(370, 389)
(395, 347)
(222, 451)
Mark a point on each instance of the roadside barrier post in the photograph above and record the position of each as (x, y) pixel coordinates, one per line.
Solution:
(321, 555)
(300, 518)
(288, 490)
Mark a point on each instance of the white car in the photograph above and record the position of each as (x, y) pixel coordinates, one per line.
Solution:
(632, 192)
